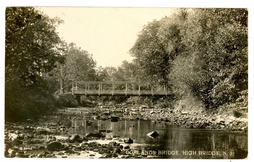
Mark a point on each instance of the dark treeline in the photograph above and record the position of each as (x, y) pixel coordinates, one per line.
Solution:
(201, 55)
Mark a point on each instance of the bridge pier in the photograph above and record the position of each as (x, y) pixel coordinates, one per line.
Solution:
(100, 88)
(78, 98)
(126, 89)
(139, 89)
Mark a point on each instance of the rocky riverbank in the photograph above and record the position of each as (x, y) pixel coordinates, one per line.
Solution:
(178, 118)
(50, 136)
(197, 120)
(25, 141)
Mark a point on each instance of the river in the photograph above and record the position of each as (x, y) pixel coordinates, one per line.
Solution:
(172, 142)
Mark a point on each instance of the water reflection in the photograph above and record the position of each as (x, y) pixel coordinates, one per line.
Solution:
(175, 142)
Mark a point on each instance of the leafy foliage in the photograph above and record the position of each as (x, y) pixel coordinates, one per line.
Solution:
(66, 100)
(201, 51)
(32, 45)
(220, 44)
(32, 49)
(23, 103)
(151, 55)
(79, 66)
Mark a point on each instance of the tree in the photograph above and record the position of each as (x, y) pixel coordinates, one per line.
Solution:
(78, 67)
(150, 54)
(32, 45)
(129, 71)
(32, 49)
(203, 51)
(158, 44)
(217, 48)
(101, 73)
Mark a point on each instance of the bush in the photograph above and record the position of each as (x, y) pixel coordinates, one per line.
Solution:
(23, 103)
(237, 114)
(66, 100)
(242, 100)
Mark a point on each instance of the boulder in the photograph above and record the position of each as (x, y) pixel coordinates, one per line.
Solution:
(29, 120)
(128, 140)
(153, 134)
(43, 130)
(93, 144)
(28, 128)
(36, 141)
(51, 139)
(12, 136)
(12, 153)
(102, 130)
(88, 123)
(117, 150)
(55, 146)
(112, 143)
(167, 120)
(95, 134)
(120, 146)
(184, 113)
(19, 127)
(60, 153)
(75, 138)
(95, 150)
(114, 119)
(17, 142)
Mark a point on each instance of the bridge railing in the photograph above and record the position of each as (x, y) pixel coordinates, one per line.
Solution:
(119, 92)
(98, 88)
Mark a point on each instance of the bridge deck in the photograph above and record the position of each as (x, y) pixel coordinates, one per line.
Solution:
(118, 88)
(120, 93)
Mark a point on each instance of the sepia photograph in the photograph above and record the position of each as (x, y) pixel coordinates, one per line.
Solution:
(126, 82)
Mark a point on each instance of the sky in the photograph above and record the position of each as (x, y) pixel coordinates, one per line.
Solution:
(106, 33)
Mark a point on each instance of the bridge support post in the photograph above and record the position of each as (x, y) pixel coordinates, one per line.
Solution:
(139, 90)
(72, 88)
(126, 89)
(86, 88)
(112, 89)
(78, 98)
(100, 87)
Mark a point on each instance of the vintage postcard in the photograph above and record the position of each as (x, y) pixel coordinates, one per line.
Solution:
(126, 83)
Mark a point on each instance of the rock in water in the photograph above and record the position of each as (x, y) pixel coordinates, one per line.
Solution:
(114, 119)
(75, 138)
(153, 134)
(95, 134)
(55, 146)
(112, 143)
(128, 140)
(43, 130)
(117, 150)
